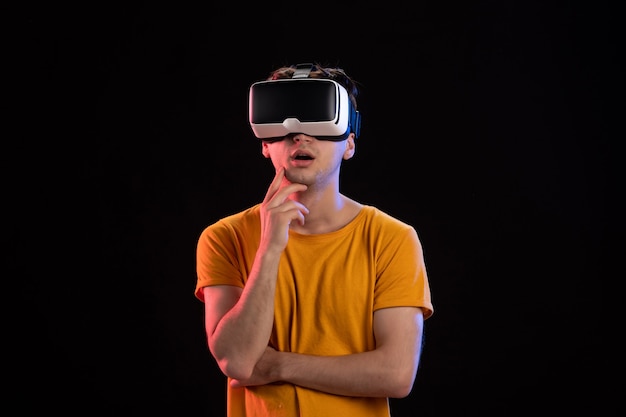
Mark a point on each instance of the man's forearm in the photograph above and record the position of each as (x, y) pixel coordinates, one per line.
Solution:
(369, 374)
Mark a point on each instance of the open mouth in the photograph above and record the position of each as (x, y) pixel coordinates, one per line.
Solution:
(302, 156)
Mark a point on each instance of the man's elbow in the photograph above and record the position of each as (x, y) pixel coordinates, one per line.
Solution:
(232, 365)
(235, 369)
(401, 391)
(401, 384)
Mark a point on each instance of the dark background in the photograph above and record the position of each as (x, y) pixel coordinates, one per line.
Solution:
(490, 126)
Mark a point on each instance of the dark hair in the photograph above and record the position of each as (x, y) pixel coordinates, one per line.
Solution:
(319, 71)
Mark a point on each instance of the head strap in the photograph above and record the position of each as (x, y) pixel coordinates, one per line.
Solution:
(302, 71)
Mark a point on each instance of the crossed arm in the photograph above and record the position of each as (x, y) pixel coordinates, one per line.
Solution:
(238, 336)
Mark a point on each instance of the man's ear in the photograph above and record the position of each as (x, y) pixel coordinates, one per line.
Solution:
(265, 149)
(350, 147)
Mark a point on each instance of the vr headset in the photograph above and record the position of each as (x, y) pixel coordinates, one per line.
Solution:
(314, 106)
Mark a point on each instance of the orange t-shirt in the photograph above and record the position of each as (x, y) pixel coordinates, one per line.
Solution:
(327, 290)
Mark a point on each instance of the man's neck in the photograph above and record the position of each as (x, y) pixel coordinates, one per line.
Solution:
(326, 213)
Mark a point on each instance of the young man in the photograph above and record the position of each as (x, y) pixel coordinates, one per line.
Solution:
(314, 303)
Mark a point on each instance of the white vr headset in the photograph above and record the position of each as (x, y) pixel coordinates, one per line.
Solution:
(314, 106)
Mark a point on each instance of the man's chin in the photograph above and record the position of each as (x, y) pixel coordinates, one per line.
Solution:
(296, 178)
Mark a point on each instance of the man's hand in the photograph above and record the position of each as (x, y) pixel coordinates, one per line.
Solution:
(278, 211)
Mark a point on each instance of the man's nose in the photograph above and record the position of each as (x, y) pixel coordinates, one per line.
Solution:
(301, 137)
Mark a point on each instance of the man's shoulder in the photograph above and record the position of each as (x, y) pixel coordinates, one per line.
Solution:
(238, 220)
(379, 215)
